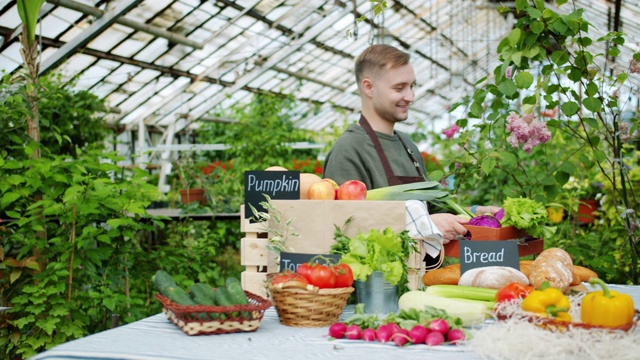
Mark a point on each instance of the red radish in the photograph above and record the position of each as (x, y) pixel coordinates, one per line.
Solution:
(383, 333)
(401, 337)
(393, 327)
(337, 330)
(434, 338)
(418, 334)
(353, 332)
(369, 334)
(439, 325)
(455, 335)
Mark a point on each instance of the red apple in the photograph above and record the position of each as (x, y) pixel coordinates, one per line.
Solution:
(322, 190)
(334, 184)
(352, 190)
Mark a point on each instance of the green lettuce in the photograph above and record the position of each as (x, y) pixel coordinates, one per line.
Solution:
(385, 251)
(528, 215)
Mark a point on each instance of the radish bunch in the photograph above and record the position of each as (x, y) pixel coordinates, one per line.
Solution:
(437, 332)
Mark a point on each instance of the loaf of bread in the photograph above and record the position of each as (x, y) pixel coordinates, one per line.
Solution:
(582, 273)
(525, 267)
(553, 265)
(449, 275)
(492, 277)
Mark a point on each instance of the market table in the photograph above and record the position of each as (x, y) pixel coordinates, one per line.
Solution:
(156, 338)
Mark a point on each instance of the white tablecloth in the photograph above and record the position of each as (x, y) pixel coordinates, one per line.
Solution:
(156, 338)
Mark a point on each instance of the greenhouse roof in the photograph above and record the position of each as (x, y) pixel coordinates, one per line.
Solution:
(168, 63)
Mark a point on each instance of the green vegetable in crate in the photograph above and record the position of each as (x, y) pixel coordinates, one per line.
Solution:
(203, 294)
(238, 295)
(224, 298)
(167, 286)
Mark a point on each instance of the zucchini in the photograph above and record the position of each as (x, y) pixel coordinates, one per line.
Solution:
(223, 298)
(203, 294)
(238, 295)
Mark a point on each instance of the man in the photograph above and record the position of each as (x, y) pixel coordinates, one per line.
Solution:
(372, 151)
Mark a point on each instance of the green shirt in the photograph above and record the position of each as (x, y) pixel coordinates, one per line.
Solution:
(353, 157)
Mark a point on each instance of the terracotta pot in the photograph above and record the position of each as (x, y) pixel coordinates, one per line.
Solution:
(586, 211)
(187, 196)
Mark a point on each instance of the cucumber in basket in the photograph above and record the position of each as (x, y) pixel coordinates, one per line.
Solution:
(167, 286)
(203, 294)
(238, 295)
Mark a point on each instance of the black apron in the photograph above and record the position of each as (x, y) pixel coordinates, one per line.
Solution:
(392, 178)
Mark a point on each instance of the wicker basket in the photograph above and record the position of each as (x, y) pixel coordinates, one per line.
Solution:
(304, 308)
(205, 319)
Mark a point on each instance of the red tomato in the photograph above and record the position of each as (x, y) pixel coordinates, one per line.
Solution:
(322, 276)
(286, 276)
(344, 275)
(304, 269)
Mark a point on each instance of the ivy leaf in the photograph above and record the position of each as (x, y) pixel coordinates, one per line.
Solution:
(488, 164)
(476, 110)
(524, 79)
(514, 36)
(562, 177)
(15, 274)
(570, 108)
(537, 27)
(592, 104)
(507, 87)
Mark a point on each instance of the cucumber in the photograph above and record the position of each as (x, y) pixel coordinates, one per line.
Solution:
(224, 298)
(238, 295)
(163, 281)
(179, 296)
(203, 294)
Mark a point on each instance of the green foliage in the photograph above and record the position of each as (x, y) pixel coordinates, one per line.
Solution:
(68, 118)
(549, 72)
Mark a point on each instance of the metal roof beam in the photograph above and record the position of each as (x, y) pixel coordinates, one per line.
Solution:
(150, 29)
(87, 35)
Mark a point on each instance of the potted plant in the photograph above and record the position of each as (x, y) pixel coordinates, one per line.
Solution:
(193, 180)
(378, 260)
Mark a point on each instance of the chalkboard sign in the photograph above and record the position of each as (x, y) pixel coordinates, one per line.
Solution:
(280, 185)
(291, 261)
(475, 254)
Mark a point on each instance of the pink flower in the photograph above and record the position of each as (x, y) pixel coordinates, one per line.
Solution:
(508, 73)
(527, 131)
(451, 131)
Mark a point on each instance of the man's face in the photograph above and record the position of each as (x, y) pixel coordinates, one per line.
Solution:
(393, 92)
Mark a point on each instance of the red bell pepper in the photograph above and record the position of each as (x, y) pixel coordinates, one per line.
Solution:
(513, 291)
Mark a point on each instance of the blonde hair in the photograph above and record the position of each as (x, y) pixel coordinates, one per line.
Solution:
(378, 57)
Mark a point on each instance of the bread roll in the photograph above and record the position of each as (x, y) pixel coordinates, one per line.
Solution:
(525, 267)
(446, 275)
(583, 273)
(492, 277)
(553, 265)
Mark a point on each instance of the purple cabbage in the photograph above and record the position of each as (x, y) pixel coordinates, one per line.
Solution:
(499, 215)
(486, 221)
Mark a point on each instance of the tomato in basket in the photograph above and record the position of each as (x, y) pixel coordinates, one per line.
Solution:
(287, 276)
(322, 276)
(304, 269)
(344, 275)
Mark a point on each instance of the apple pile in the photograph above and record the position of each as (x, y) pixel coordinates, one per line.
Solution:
(327, 189)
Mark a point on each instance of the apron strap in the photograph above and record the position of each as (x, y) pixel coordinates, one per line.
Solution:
(376, 143)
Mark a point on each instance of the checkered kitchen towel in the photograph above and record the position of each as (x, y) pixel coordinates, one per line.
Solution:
(420, 227)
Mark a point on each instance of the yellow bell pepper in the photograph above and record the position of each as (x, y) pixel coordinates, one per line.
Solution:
(606, 307)
(548, 302)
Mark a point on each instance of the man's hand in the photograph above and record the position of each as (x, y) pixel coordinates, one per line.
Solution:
(482, 210)
(449, 225)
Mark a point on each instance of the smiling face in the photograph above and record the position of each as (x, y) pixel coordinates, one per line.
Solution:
(385, 79)
(392, 92)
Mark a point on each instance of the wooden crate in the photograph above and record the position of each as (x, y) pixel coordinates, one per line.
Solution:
(315, 221)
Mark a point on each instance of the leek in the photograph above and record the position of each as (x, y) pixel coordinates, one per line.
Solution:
(470, 312)
(425, 191)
